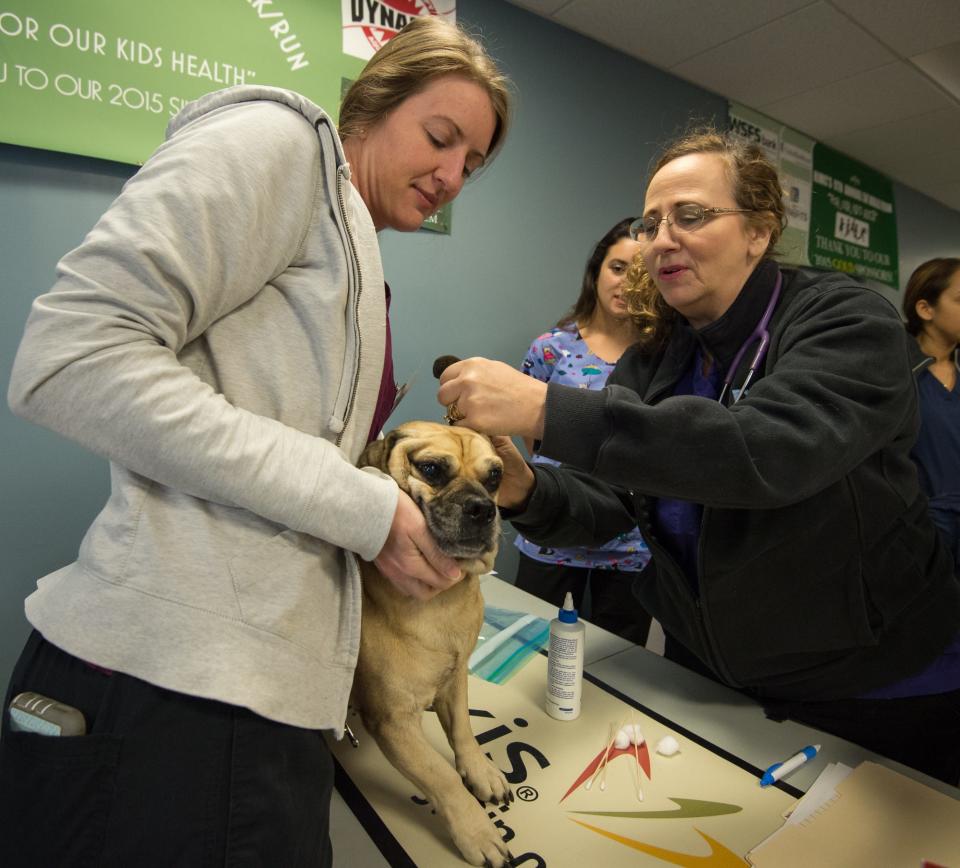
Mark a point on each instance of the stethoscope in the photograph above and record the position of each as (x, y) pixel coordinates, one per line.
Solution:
(759, 333)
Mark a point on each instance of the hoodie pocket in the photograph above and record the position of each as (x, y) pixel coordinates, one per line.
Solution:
(300, 589)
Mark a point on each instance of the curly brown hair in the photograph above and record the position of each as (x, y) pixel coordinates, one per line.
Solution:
(756, 188)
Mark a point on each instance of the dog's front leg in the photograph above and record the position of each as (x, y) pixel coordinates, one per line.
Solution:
(480, 775)
(403, 743)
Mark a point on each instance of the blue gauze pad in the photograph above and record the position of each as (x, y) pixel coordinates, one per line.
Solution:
(507, 640)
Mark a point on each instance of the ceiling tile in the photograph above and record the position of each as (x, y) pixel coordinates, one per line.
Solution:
(806, 49)
(541, 7)
(943, 66)
(866, 99)
(901, 142)
(666, 33)
(907, 26)
(872, 78)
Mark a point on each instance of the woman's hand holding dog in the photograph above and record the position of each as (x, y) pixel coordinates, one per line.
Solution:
(410, 558)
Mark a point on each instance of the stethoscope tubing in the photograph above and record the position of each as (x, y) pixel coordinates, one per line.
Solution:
(761, 333)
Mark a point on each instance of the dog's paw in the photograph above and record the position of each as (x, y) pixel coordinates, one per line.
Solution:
(479, 840)
(484, 779)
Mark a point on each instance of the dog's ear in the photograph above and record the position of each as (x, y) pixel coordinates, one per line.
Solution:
(377, 453)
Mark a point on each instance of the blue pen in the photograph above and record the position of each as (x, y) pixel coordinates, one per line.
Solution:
(778, 770)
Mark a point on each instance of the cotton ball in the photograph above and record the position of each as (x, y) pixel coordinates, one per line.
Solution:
(622, 739)
(668, 746)
(634, 733)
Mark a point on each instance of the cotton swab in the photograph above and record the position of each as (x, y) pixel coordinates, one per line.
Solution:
(618, 737)
(636, 751)
(602, 764)
(630, 734)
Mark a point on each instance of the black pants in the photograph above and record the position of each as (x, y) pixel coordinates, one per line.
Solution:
(160, 779)
(612, 604)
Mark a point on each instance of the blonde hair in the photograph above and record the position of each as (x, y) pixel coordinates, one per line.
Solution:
(756, 188)
(425, 49)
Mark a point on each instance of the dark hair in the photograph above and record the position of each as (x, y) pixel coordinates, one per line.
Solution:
(425, 49)
(756, 188)
(586, 303)
(927, 283)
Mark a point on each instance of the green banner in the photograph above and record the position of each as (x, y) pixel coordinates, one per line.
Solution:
(840, 212)
(102, 78)
(854, 227)
(792, 153)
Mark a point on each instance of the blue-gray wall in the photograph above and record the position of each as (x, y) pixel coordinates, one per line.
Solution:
(587, 123)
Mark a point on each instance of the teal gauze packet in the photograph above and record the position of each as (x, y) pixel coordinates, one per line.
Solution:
(507, 640)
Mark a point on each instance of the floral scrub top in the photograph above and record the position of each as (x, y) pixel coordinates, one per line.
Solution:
(562, 356)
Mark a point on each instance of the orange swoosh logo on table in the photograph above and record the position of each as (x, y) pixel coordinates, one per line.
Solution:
(718, 857)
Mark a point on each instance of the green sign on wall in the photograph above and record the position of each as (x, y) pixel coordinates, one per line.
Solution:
(102, 78)
(840, 212)
(853, 226)
(792, 153)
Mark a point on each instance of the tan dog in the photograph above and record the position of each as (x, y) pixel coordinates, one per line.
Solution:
(413, 653)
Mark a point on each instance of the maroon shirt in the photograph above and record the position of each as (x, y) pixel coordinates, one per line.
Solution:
(386, 400)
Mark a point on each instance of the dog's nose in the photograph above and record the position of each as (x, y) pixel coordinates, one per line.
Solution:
(479, 509)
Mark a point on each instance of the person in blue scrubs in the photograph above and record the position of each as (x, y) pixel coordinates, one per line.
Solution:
(580, 351)
(931, 306)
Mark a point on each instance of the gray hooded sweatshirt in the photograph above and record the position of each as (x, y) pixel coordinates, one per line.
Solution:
(219, 337)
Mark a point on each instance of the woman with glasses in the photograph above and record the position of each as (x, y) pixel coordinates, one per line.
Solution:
(931, 306)
(581, 351)
(759, 432)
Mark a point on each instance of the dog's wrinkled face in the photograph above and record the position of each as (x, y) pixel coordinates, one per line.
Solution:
(453, 475)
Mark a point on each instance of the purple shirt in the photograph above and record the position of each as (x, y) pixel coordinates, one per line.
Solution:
(677, 522)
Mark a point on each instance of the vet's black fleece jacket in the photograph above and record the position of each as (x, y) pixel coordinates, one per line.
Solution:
(821, 575)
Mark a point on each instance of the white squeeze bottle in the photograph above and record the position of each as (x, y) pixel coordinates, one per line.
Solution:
(565, 663)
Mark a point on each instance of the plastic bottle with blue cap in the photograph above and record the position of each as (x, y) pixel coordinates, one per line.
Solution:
(565, 663)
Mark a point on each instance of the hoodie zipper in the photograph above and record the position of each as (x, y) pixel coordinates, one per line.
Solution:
(356, 307)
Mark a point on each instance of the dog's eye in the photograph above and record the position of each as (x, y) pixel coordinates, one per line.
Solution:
(493, 479)
(431, 471)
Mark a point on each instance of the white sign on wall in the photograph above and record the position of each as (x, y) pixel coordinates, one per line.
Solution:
(369, 24)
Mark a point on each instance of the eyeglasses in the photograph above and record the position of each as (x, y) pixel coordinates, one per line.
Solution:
(685, 218)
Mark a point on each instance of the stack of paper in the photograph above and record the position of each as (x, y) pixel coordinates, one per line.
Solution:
(866, 817)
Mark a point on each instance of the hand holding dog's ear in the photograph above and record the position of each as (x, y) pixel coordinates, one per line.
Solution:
(410, 558)
(518, 479)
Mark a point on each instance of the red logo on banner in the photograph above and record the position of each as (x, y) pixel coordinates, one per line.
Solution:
(368, 25)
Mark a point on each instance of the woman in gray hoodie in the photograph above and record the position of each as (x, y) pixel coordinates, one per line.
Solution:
(221, 337)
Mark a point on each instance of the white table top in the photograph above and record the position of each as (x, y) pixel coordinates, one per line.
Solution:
(721, 716)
